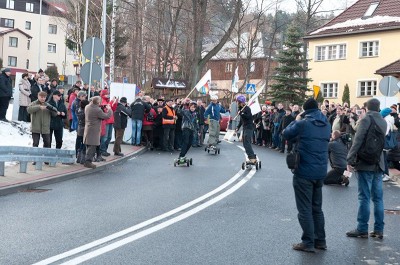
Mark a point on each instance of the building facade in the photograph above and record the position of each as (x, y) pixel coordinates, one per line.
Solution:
(30, 41)
(352, 47)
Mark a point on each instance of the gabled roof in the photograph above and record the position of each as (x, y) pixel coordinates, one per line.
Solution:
(353, 20)
(390, 69)
(6, 31)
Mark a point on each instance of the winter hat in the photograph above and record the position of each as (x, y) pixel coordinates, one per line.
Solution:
(56, 93)
(310, 103)
(40, 71)
(385, 112)
(59, 87)
(394, 107)
(214, 97)
(123, 100)
(373, 104)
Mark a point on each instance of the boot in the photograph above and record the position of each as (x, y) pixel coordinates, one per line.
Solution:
(89, 164)
(99, 158)
(83, 158)
(79, 157)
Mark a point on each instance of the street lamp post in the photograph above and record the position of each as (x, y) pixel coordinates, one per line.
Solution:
(40, 33)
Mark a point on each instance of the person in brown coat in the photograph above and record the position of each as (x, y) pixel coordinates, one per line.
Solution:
(24, 98)
(91, 137)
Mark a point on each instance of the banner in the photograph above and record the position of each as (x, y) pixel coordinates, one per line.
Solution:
(235, 81)
(253, 102)
(203, 86)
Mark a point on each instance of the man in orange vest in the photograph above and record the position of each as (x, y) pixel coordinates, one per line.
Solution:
(168, 122)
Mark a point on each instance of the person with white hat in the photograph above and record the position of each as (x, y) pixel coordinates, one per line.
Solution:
(213, 115)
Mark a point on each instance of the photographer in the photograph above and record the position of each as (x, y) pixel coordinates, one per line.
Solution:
(337, 151)
(57, 122)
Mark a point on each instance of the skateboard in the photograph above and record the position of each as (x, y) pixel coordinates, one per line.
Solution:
(212, 149)
(249, 165)
(183, 161)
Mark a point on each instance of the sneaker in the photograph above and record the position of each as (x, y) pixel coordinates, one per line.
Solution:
(281, 151)
(302, 247)
(119, 154)
(386, 178)
(356, 233)
(376, 234)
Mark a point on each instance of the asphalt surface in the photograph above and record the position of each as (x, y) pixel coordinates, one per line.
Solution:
(253, 219)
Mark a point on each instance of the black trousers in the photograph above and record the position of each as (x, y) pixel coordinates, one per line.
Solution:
(58, 135)
(187, 139)
(23, 114)
(4, 103)
(45, 137)
(334, 176)
(169, 138)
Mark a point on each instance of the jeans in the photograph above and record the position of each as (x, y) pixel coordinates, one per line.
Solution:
(105, 140)
(187, 137)
(370, 187)
(308, 194)
(247, 135)
(136, 131)
(275, 138)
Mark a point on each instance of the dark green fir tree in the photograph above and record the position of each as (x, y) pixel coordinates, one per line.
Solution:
(346, 94)
(290, 84)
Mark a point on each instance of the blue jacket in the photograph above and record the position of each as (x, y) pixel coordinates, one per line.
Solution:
(314, 132)
(213, 110)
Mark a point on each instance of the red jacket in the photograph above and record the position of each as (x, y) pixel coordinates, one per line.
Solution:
(145, 121)
(70, 102)
(106, 101)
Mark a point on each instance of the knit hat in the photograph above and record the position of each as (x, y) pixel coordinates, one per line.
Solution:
(373, 104)
(56, 93)
(123, 100)
(394, 107)
(214, 97)
(310, 103)
(385, 112)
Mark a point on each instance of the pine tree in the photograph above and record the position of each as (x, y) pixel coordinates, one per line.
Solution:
(320, 97)
(52, 72)
(290, 82)
(346, 94)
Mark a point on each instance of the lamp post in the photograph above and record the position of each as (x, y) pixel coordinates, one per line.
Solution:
(103, 38)
(40, 33)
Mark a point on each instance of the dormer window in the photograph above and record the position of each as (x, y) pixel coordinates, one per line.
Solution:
(371, 9)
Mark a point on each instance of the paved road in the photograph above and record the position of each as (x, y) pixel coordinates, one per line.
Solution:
(210, 213)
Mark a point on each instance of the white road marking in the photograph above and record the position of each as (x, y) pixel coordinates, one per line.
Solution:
(132, 158)
(158, 227)
(138, 226)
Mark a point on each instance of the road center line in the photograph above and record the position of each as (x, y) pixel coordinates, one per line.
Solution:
(138, 226)
(158, 227)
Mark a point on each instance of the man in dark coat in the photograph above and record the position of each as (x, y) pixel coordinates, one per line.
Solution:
(5, 92)
(57, 122)
(138, 107)
(121, 115)
(286, 120)
(369, 175)
(312, 130)
(337, 150)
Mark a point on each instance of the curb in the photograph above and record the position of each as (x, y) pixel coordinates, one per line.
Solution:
(67, 176)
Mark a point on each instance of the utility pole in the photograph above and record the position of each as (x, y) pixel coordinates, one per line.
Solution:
(40, 33)
(103, 38)
(112, 41)
(83, 59)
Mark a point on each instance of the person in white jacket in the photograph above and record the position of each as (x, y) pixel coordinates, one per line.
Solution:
(390, 127)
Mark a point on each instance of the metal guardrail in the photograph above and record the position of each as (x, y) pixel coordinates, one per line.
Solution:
(33, 154)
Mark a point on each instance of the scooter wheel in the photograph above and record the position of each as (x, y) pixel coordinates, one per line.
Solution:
(208, 151)
(259, 164)
(243, 165)
(187, 163)
(219, 151)
(174, 164)
(205, 149)
(191, 161)
(256, 166)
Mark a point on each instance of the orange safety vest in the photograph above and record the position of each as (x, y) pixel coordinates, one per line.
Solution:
(170, 112)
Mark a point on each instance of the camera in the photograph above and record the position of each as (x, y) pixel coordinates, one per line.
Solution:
(346, 138)
(103, 107)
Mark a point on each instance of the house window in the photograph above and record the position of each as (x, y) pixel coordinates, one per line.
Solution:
(27, 64)
(28, 25)
(371, 9)
(330, 90)
(7, 23)
(252, 66)
(51, 47)
(228, 67)
(10, 4)
(29, 7)
(52, 29)
(367, 88)
(29, 44)
(12, 61)
(331, 52)
(369, 48)
(13, 42)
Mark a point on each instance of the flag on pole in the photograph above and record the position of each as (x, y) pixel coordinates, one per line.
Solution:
(235, 81)
(316, 91)
(203, 86)
(253, 102)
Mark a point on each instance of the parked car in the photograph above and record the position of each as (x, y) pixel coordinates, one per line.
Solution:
(224, 121)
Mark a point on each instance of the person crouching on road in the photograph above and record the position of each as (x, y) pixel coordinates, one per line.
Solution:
(313, 132)
(213, 115)
(246, 119)
(91, 137)
(121, 115)
(41, 114)
(337, 150)
(189, 126)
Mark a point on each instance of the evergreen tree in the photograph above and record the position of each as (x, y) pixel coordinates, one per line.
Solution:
(346, 94)
(52, 72)
(290, 85)
(320, 97)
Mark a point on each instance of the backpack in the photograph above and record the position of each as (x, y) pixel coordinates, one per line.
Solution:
(150, 116)
(373, 144)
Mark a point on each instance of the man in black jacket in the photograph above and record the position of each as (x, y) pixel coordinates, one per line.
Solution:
(246, 119)
(138, 107)
(121, 115)
(5, 92)
(57, 122)
(286, 120)
(337, 151)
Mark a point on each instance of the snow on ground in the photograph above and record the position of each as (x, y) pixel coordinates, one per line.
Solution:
(18, 133)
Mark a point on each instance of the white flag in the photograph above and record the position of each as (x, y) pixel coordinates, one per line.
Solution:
(253, 102)
(204, 85)
(235, 81)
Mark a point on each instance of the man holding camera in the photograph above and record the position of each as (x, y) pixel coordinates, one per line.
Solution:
(312, 131)
(337, 150)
